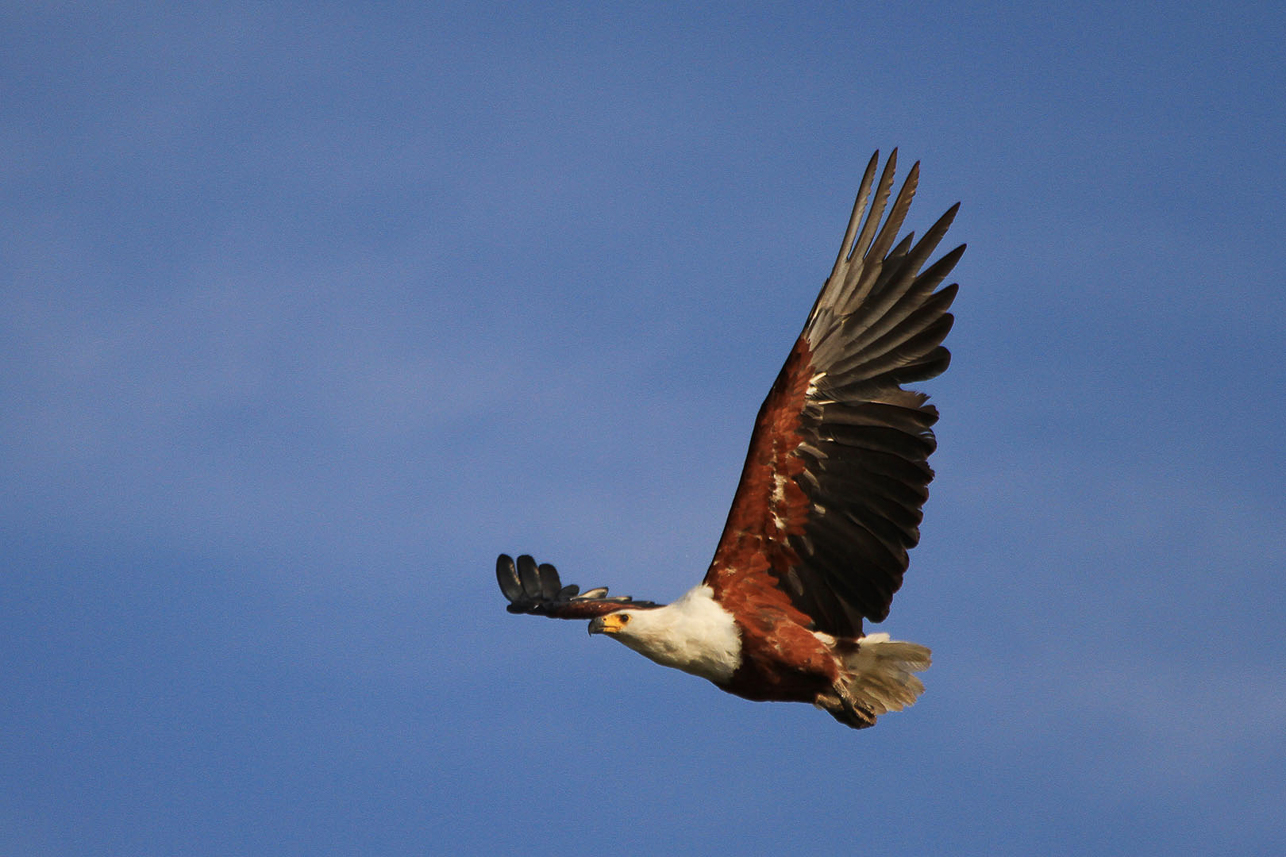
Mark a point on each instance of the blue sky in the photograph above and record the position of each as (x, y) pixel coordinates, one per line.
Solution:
(310, 311)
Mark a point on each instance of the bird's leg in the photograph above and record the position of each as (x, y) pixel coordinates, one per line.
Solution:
(841, 705)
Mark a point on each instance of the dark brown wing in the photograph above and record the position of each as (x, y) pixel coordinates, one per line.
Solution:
(536, 589)
(830, 497)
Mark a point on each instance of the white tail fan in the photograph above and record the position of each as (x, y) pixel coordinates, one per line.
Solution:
(876, 678)
(881, 672)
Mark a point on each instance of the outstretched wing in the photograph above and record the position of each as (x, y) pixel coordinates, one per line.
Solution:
(536, 589)
(829, 500)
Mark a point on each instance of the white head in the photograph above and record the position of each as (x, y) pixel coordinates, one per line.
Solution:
(694, 634)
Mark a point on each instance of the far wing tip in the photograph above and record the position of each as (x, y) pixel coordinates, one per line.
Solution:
(536, 590)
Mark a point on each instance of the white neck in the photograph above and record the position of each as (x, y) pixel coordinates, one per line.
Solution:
(694, 634)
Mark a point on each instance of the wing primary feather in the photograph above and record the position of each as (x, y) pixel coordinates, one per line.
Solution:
(899, 286)
(860, 277)
(885, 187)
(549, 582)
(897, 214)
(859, 205)
(903, 245)
(529, 574)
(878, 340)
(908, 353)
(507, 575)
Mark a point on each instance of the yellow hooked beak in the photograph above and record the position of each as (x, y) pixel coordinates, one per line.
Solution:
(610, 624)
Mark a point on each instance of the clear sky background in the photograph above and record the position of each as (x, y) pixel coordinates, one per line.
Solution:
(310, 311)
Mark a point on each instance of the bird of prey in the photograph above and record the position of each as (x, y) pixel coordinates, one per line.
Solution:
(829, 500)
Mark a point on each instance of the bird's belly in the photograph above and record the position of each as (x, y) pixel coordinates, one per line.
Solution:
(786, 664)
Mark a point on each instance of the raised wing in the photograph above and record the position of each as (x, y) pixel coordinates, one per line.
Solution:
(830, 496)
(536, 589)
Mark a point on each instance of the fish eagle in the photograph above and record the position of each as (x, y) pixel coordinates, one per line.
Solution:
(829, 500)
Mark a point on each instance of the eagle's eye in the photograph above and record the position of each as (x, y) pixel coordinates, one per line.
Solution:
(624, 618)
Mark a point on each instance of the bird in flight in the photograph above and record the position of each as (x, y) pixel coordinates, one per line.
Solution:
(829, 500)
